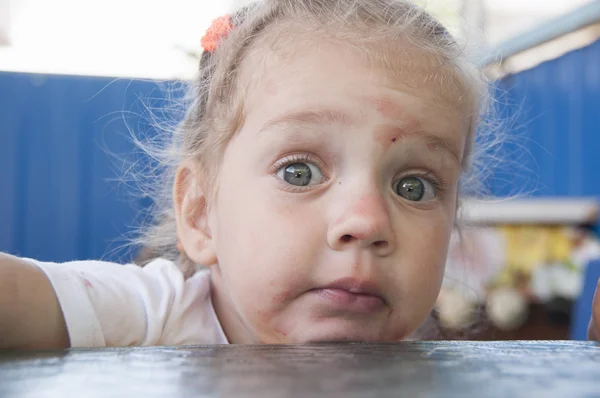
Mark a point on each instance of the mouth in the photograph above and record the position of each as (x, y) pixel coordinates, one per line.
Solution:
(351, 295)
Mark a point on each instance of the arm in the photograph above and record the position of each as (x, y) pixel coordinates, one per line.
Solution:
(594, 325)
(30, 315)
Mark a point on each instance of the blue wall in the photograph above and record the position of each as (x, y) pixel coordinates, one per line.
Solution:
(60, 198)
(60, 139)
(556, 111)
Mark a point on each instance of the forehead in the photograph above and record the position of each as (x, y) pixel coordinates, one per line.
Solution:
(307, 73)
(277, 64)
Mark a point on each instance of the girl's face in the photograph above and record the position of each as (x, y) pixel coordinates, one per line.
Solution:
(335, 203)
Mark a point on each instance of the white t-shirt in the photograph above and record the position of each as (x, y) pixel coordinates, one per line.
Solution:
(112, 305)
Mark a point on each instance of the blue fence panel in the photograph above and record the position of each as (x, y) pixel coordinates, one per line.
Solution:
(60, 140)
(557, 127)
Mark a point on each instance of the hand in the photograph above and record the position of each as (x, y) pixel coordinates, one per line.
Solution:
(594, 326)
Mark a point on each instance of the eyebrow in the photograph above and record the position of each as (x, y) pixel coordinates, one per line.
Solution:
(335, 116)
(393, 134)
(311, 117)
(439, 142)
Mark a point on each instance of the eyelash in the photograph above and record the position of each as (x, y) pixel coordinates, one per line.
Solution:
(439, 185)
(297, 158)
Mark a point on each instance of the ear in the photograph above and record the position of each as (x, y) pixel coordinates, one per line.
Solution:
(191, 212)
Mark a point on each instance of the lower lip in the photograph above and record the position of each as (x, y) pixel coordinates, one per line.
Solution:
(344, 300)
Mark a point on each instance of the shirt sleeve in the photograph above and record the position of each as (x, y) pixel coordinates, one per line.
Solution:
(112, 305)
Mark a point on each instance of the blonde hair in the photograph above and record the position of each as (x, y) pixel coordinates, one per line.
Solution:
(216, 104)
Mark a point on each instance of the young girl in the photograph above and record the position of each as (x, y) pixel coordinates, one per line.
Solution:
(316, 180)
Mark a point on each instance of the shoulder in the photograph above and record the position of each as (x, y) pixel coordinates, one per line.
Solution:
(109, 304)
(159, 269)
(158, 281)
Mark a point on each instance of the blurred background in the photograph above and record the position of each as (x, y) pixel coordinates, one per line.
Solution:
(76, 77)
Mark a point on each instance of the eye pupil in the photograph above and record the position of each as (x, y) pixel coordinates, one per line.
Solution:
(298, 174)
(411, 188)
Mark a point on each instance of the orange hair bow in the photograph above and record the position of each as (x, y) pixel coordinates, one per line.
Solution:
(218, 30)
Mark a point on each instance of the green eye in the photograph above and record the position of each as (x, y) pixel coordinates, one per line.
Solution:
(301, 174)
(414, 189)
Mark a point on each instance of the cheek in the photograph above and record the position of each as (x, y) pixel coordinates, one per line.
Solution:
(265, 229)
(423, 244)
(265, 243)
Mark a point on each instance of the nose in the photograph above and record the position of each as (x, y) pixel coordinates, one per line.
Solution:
(364, 224)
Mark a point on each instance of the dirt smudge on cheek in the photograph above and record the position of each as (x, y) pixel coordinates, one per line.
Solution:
(282, 331)
(285, 297)
(279, 298)
(284, 327)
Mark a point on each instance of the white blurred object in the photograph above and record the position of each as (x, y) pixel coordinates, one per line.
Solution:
(556, 280)
(559, 280)
(567, 283)
(549, 211)
(475, 256)
(589, 250)
(5, 16)
(507, 308)
(240, 3)
(510, 18)
(473, 26)
(133, 38)
(542, 283)
(455, 310)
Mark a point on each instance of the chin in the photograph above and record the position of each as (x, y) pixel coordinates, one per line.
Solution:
(343, 339)
(341, 335)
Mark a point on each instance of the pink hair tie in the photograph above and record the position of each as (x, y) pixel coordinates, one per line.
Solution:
(216, 33)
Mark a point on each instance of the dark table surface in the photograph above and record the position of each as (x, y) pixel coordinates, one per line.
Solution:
(408, 369)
